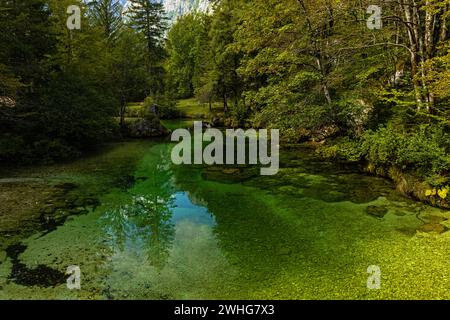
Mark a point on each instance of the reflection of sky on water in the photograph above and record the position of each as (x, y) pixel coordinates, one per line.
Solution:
(184, 209)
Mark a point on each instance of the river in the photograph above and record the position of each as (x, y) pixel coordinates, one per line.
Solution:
(139, 227)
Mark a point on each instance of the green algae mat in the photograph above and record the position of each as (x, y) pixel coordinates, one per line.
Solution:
(138, 227)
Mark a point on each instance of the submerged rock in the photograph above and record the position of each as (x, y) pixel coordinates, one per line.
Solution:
(433, 228)
(375, 211)
(231, 171)
(400, 213)
(433, 219)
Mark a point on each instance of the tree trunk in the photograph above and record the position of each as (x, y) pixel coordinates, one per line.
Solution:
(122, 112)
(325, 89)
(225, 103)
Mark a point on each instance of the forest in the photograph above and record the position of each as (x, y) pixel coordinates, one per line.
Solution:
(124, 131)
(314, 69)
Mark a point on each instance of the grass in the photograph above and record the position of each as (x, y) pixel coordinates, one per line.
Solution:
(193, 109)
(134, 110)
(190, 108)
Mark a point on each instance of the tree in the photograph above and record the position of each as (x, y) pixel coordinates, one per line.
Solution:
(26, 41)
(107, 14)
(148, 18)
(225, 59)
(184, 43)
(128, 73)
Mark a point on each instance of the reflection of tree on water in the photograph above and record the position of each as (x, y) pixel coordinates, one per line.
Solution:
(144, 226)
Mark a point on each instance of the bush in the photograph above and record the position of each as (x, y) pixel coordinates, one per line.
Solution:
(420, 151)
(163, 106)
(240, 114)
(59, 121)
(382, 147)
(135, 111)
(11, 147)
(16, 149)
(342, 149)
(76, 112)
(294, 121)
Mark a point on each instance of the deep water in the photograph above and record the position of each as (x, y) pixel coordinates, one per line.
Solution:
(140, 228)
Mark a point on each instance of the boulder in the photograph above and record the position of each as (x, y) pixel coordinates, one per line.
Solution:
(145, 128)
(216, 122)
(324, 133)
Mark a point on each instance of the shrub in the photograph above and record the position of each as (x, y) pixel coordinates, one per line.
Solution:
(163, 105)
(342, 149)
(420, 151)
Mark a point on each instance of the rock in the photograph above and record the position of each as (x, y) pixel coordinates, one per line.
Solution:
(399, 213)
(375, 211)
(7, 102)
(410, 232)
(325, 133)
(433, 228)
(433, 219)
(216, 122)
(231, 171)
(145, 128)
(78, 202)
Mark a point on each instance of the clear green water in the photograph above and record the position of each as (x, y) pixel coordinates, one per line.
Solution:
(141, 228)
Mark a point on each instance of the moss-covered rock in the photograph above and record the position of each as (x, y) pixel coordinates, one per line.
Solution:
(433, 228)
(375, 211)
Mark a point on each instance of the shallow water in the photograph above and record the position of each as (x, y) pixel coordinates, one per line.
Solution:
(140, 228)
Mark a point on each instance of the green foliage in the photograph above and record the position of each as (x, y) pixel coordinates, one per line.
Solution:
(301, 66)
(420, 151)
(184, 44)
(240, 115)
(107, 14)
(305, 66)
(60, 89)
(147, 17)
(46, 150)
(343, 149)
(162, 106)
(76, 111)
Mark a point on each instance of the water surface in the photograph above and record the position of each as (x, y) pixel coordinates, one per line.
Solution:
(140, 228)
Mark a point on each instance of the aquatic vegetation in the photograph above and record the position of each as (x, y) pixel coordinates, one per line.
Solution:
(197, 232)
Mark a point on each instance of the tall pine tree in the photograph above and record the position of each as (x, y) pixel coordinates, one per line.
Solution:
(148, 17)
(108, 15)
